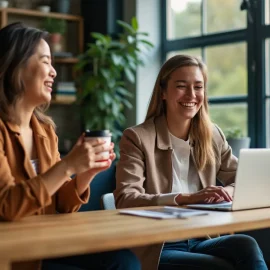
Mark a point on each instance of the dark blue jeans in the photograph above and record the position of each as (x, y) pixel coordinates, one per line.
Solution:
(230, 252)
(114, 260)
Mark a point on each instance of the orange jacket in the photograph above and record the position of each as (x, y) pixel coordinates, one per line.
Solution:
(22, 192)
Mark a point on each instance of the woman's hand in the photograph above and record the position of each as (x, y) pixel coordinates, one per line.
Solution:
(84, 178)
(94, 171)
(89, 156)
(211, 194)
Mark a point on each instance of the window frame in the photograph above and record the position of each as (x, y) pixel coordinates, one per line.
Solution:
(254, 35)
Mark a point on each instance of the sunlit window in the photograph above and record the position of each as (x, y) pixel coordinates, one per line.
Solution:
(227, 68)
(192, 52)
(183, 18)
(230, 115)
(224, 16)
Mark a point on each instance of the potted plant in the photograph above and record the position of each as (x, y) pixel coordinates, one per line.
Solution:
(57, 28)
(108, 65)
(236, 139)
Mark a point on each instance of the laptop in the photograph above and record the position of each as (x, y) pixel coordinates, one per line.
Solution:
(252, 183)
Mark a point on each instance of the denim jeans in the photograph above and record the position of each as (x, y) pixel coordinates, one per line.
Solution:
(114, 260)
(238, 252)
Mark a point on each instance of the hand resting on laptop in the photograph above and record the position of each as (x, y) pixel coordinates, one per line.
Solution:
(211, 194)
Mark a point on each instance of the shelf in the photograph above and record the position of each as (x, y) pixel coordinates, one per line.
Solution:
(70, 60)
(36, 13)
(56, 102)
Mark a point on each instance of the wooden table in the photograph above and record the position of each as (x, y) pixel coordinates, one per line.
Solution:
(51, 236)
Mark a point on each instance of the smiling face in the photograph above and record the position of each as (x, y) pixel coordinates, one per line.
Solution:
(38, 76)
(184, 95)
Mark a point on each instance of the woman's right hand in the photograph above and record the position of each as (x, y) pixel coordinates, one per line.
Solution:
(86, 156)
(211, 194)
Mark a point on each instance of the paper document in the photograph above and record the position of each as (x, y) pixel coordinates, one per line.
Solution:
(164, 212)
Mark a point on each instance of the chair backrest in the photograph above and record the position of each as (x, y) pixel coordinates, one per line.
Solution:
(103, 183)
(107, 201)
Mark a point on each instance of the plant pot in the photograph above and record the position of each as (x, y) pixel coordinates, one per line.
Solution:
(55, 42)
(237, 144)
(61, 6)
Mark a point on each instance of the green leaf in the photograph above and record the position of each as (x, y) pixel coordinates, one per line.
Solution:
(130, 75)
(127, 104)
(117, 59)
(124, 92)
(105, 73)
(107, 98)
(130, 39)
(99, 37)
(142, 34)
(134, 23)
(146, 42)
(126, 26)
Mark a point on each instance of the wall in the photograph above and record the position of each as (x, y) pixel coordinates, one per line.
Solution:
(148, 15)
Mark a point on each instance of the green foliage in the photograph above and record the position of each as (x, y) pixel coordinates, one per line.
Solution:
(107, 67)
(53, 25)
(233, 133)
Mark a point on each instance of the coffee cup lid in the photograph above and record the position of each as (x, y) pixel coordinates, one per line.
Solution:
(98, 133)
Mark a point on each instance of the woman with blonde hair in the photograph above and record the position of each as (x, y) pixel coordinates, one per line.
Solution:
(174, 158)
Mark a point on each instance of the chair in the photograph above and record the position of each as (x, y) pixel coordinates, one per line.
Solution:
(103, 183)
(107, 201)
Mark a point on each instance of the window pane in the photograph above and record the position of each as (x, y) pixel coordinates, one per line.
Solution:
(183, 18)
(193, 52)
(267, 66)
(267, 115)
(267, 12)
(224, 16)
(227, 69)
(230, 115)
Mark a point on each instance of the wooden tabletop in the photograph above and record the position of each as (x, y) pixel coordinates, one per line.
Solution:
(51, 236)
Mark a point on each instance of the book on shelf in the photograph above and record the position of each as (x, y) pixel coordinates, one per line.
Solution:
(62, 54)
(65, 98)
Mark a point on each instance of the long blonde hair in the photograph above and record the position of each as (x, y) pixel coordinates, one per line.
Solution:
(201, 126)
(18, 44)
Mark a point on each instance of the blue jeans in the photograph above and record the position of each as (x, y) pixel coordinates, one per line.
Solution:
(113, 260)
(228, 252)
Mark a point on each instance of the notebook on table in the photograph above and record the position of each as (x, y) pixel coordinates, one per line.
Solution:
(252, 183)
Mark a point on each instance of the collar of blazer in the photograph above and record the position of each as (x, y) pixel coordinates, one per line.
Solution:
(42, 139)
(35, 124)
(163, 137)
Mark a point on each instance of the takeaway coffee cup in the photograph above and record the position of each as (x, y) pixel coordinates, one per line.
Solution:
(103, 134)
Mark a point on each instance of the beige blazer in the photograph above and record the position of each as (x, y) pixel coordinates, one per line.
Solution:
(144, 171)
(22, 192)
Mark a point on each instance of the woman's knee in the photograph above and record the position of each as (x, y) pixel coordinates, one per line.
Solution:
(127, 260)
(246, 244)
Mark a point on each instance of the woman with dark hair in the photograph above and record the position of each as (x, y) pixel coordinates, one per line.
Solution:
(33, 178)
(174, 158)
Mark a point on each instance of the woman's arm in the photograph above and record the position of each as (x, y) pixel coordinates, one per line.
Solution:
(228, 162)
(23, 197)
(131, 174)
(73, 193)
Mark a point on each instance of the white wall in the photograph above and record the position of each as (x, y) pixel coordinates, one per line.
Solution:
(148, 16)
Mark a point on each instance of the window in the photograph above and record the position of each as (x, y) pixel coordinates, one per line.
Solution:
(235, 45)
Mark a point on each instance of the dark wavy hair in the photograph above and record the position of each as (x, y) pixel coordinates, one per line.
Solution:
(18, 44)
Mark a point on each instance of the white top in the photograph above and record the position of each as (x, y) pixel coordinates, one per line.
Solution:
(35, 164)
(183, 181)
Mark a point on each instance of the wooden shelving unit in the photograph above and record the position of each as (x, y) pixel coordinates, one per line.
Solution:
(5, 13)
(73, 60)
